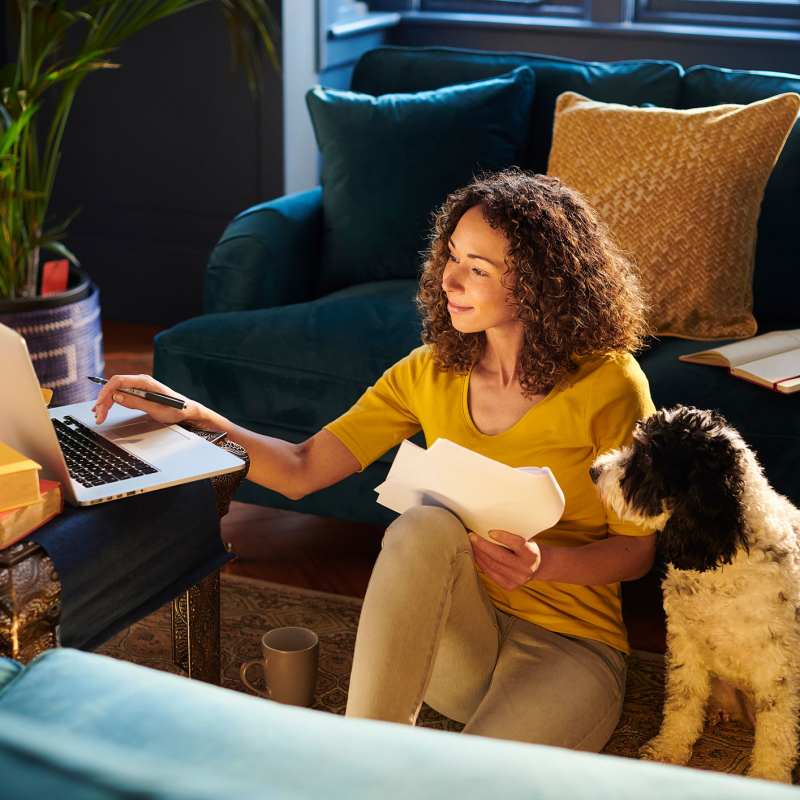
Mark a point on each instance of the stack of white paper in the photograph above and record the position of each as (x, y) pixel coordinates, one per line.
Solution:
(483, 493)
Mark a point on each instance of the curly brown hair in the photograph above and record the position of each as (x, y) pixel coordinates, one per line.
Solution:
(575, 291)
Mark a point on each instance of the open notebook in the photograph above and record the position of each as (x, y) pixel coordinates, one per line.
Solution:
(771, 360)
(483, 493)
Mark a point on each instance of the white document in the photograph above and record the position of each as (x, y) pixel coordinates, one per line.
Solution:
(483, 493)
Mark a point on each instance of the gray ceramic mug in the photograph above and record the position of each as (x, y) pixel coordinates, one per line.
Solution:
(290, 659)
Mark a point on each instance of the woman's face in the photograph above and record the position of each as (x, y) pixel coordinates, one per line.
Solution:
(476, 297)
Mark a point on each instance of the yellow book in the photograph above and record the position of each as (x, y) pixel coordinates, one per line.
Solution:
(19, 479)
(17, 523)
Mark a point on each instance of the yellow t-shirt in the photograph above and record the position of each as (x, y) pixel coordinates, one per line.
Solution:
(593, 411)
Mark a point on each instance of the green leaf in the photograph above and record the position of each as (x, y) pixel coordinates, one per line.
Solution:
(14, 129)
(60, 249)
(71, 70)
(59, 230)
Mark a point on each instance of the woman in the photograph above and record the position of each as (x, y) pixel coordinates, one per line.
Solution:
(530, 315)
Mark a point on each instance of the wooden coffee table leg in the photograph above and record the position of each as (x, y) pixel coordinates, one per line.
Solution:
(195, 630)
(30, 601)
(195, 613)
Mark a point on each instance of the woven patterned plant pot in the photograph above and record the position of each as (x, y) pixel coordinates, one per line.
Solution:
(64, 337)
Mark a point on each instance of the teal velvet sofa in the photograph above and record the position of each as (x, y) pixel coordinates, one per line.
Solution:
(80, 726)
(284, 346)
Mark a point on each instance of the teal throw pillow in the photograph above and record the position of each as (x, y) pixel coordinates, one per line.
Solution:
(390, 161)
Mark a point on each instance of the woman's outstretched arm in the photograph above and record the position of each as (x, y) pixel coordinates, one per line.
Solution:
(293, 470)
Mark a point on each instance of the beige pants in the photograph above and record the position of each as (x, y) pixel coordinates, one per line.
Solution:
(428, 631)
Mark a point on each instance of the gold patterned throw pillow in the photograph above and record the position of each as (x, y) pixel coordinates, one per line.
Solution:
(680, 191)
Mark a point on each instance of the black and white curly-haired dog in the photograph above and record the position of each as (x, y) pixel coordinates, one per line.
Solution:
(732, 587)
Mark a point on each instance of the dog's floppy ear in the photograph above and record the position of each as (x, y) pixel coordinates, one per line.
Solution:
(706, 526)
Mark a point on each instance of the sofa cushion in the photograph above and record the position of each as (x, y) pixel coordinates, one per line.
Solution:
(777, 274)
(389, 162)
(413, 69)
(767, 420)
(289, 370)
(680, 191)
(80, 725)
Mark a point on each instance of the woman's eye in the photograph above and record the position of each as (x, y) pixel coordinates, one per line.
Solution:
(452, 258)
(479, 272)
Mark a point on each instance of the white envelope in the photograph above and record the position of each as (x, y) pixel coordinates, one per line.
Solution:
(483, 493)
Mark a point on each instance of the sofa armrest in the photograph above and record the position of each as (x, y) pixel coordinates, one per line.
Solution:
(268, 255)
(77, 725)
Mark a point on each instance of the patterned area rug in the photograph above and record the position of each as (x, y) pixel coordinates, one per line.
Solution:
(251, 607)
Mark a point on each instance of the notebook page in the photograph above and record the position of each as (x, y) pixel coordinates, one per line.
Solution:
(775, 368)
(739, 353)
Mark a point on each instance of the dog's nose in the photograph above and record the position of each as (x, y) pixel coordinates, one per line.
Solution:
(594, 473)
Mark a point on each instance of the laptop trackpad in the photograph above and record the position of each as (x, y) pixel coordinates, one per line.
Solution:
(149, 439)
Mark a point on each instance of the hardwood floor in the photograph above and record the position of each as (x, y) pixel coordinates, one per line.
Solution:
(327, 554)
(322, 553)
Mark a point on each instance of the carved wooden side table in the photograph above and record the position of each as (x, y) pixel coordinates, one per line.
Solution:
(30, 599)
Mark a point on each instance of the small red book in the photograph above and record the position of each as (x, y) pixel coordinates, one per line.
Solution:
(55, 276)
(17, 523)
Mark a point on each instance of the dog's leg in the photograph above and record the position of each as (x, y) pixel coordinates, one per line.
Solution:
(776, 738)
(688, 685)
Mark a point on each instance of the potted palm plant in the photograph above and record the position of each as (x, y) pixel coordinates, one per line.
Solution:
(59, 44)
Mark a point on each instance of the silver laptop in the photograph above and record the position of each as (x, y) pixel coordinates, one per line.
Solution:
(128, 454)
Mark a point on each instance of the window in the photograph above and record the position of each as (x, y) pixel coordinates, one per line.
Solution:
(775, 14)
(778, 15)
(539, 8)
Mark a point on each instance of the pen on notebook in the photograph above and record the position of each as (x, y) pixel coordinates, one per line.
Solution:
(154, 397)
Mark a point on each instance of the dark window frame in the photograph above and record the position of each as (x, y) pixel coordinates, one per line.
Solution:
(572, 9)
(780, 15)
(771, 14)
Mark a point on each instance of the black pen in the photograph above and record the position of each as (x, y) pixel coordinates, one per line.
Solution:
(154, 397)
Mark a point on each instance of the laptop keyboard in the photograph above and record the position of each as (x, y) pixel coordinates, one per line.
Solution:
(93, 460)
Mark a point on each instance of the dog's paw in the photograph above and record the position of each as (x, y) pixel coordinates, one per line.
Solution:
(657, 749)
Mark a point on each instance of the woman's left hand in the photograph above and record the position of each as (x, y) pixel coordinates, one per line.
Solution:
(509, 568)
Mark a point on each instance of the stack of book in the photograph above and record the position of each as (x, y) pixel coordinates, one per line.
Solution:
(26, 500)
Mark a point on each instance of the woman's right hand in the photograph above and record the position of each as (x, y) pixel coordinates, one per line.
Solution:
(110, 394)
